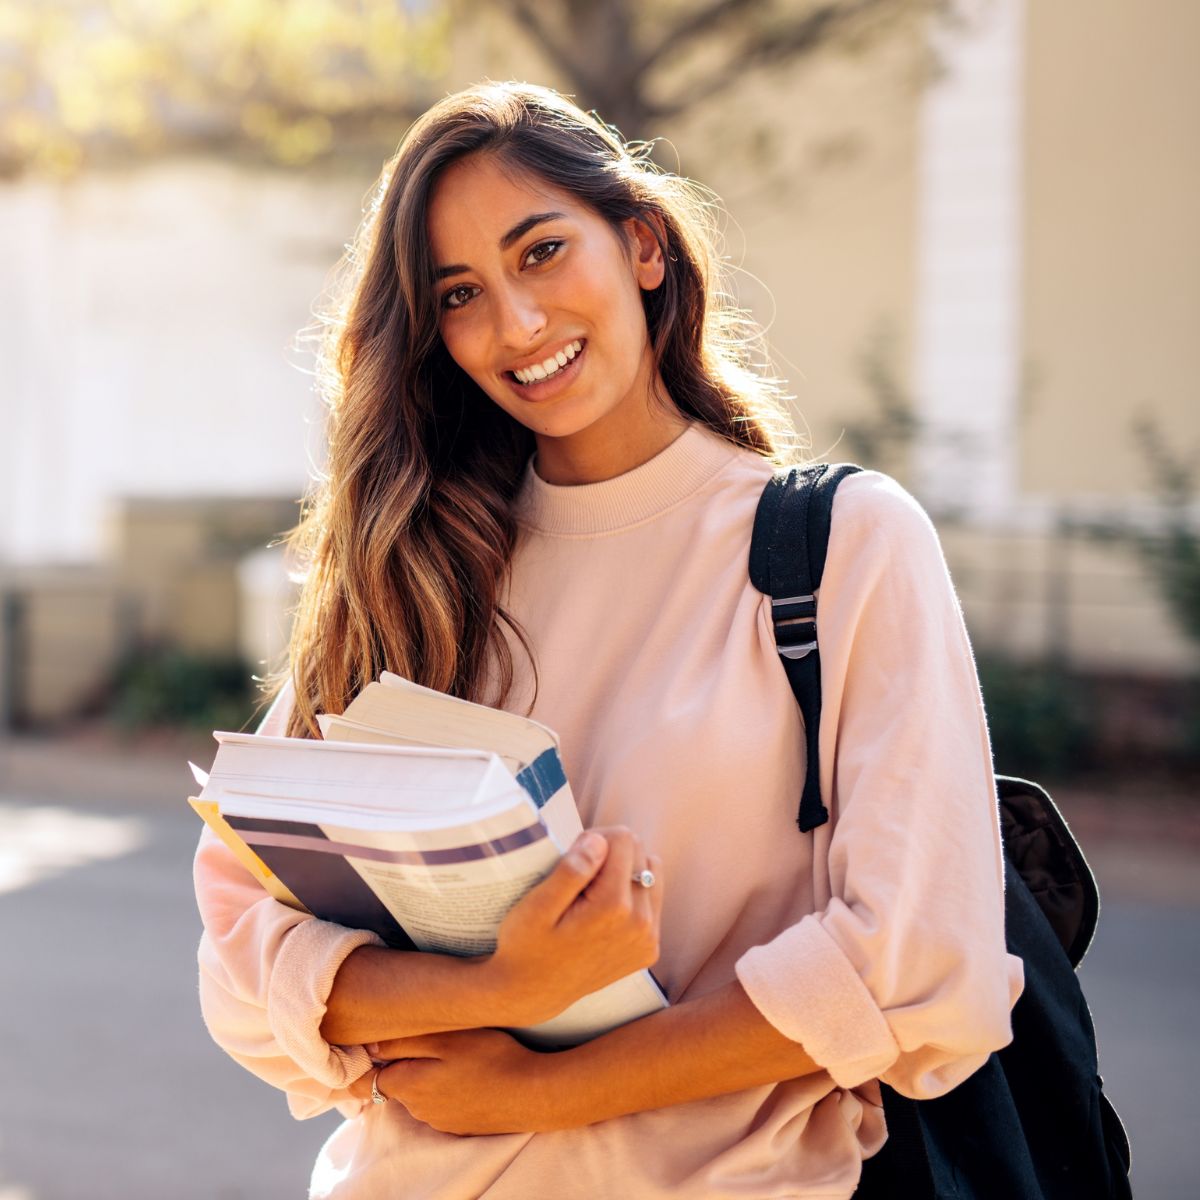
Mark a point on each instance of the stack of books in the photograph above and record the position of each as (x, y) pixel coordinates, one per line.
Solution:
(419, 816)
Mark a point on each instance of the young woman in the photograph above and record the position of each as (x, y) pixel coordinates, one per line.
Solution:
(546, 450)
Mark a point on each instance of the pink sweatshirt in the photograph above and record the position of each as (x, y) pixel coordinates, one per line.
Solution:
(877, 942)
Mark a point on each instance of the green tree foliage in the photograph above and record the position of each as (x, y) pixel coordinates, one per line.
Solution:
(1171, 550)
(293, 81)
(94, 80)
(161, 686)
(641, 64)
(1041, 718)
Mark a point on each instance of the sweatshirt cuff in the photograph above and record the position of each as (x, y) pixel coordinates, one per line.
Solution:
(806, 987)
(309, 957)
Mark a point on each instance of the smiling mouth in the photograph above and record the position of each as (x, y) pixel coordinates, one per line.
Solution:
(550, 368)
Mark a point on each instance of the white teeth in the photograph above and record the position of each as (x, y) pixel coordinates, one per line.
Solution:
(550, 366)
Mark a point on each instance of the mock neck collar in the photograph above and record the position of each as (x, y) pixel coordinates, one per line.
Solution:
(670, 477)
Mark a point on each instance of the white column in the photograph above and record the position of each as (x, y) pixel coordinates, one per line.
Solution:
(41, 319)
(967, 365)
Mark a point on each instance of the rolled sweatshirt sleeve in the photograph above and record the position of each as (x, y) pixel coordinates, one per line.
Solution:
(266, 972)
(902, 973)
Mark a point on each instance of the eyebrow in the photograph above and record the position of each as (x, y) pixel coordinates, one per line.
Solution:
(518, 231)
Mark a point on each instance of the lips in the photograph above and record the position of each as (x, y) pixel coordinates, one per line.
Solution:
(536, 382)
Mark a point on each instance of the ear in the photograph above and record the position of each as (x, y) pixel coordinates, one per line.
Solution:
(647, 234)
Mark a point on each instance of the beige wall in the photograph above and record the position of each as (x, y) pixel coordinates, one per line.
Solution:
(825, 225)
(179, 559)
(147, 340)
(822, 225)
(1070, 598)
(815, 165)
(1112, 266)
(173, 577)
(68, 628)
(1109, 301)
(818, 167)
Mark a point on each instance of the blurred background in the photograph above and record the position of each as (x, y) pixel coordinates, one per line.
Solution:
(969, 230)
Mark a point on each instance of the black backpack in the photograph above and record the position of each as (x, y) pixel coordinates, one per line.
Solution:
(1033, 1122)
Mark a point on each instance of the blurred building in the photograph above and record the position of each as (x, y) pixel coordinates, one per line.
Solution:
(1014, 249)
(159, 423)
(1010, 255)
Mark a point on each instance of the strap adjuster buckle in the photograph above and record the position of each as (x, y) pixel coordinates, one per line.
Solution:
(794, 617)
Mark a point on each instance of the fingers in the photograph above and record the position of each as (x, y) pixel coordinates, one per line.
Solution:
(613, 882)
(649, 899)
(578, 867)
(396, 1079)
(646, 902)
(360, 1089)
(421, 1046)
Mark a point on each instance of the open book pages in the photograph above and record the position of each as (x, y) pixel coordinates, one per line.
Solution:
(427, 847)
(398, 712)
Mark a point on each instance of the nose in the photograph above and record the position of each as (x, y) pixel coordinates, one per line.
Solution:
(519, 318)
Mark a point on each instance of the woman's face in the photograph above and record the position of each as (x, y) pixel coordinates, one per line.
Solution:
(539, 302)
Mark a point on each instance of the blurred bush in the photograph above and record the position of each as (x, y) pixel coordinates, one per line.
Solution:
(1043, 720)
(165, 686)
(1172, 550)
(1046, 720)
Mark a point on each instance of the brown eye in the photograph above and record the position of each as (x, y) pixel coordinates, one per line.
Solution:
(543, 251)
(456, 297)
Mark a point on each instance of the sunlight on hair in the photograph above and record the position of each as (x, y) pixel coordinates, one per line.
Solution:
(406, 534)
(38, 843)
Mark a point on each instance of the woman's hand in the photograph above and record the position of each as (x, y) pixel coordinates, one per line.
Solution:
(484, 1081)
(585, 925)
(474, 1081)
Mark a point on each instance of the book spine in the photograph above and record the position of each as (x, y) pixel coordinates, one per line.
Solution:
(543, 777)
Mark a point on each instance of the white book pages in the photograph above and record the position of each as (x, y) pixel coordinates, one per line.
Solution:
(349, 729)
(493, 728)
(637, 995)
(434, 829)
(558, 809)
(392, 778)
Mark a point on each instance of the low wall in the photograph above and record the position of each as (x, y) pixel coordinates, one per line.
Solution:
(1066, 597)
(1086, 605)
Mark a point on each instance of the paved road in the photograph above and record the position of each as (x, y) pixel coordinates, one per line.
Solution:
(110, 1089)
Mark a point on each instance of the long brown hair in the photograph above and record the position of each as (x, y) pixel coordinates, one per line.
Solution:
(406, 540)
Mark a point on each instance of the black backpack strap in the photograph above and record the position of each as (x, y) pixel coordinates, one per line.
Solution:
(1034, 1112)
(787, 560)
